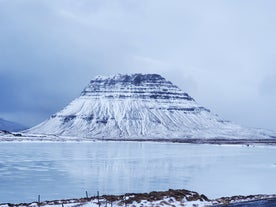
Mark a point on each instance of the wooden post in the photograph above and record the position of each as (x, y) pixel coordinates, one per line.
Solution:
(98, 195)
(38, 200)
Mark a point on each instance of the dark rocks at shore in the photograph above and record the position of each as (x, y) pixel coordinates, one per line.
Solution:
(129, 198)
(178, 195)
(166, 198)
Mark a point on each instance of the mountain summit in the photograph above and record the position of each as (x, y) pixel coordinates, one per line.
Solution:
(139, 106)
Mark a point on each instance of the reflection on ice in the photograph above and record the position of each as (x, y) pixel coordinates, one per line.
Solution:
(64, 170)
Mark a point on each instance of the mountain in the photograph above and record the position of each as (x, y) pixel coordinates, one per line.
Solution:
(139, 106)
(10, 126)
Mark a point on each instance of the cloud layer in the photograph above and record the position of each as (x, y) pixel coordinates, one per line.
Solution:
(221, 52)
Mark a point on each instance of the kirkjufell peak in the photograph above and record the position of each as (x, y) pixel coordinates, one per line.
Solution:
(139, 106)
(141, 86)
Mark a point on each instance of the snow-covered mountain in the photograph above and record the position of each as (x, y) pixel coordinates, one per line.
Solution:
(139, 106)
(10, 126)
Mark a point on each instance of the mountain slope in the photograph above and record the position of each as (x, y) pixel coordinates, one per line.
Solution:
(10, 126)
(139, 106)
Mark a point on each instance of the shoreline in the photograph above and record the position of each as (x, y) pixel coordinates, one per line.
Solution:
(204, 141)
(213, 141)
(6, 136)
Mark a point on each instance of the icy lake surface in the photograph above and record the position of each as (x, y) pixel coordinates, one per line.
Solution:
(67, 170)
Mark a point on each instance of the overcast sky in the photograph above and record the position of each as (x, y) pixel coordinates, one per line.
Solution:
(222, 52)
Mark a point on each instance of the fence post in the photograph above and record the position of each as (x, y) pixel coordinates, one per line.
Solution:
(86, 195)
(98, 195)
(38, 200)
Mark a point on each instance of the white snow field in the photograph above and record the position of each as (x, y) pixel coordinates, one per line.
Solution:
(140, 106)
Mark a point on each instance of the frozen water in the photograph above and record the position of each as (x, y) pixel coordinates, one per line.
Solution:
(67, 170)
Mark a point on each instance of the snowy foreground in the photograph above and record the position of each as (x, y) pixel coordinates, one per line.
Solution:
(163, 198)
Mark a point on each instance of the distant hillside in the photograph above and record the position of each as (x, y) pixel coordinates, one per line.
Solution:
(10, 126)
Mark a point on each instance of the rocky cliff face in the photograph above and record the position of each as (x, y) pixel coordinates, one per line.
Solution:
(139, 106)
(137, 86)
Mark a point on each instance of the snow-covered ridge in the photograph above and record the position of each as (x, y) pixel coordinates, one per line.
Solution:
(139, 106)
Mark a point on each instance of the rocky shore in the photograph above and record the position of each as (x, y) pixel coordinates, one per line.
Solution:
(162, 198)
